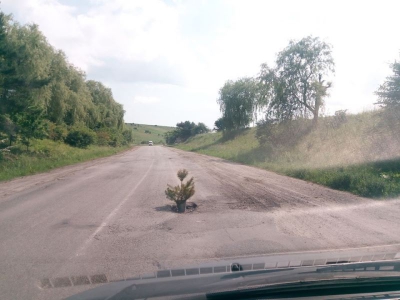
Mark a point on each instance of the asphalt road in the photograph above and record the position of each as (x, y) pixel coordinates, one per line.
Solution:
(109, 218)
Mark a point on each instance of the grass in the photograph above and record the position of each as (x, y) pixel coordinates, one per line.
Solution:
(215, 144)
(145, 133)
(360, 155)
(374, 179)
(45, 155)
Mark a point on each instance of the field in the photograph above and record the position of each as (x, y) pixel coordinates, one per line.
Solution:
(359, 154)
(142, 134)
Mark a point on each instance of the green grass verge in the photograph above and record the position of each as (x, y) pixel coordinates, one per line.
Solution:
(375, 179)
(45, 155)
(361, 156)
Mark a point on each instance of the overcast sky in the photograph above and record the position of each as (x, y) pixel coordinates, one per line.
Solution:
(166, 60)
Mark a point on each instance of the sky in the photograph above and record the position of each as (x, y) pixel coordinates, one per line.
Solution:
(165, 61)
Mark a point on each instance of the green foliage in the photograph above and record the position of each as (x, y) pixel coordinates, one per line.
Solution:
(103, 138)
(295, 88)
(31, 125)
(171, 137)
(200, 128)
(219, 124)
(128, 136)
(80, 137)
(389, 92)
(238, 101)
(39, 87)
(182, 174)
(185, 130)
(56, 132)
(182, 192)
(45, 155)
(107, 112)
(376, 179)
(9, 128)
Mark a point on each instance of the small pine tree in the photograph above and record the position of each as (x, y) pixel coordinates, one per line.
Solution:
(182, 192)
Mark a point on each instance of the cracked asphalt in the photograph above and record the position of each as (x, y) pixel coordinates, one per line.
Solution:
(109, 218)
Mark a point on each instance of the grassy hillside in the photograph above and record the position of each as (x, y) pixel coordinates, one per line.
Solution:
(145, 133)
(359, 154)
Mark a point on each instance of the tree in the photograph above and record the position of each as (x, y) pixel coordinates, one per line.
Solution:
(171, 137)
(181, 193)
(110, 112)
(200, 128)
(24, 62)
(279, 107)
(31, 125)
(9, 128)
(128, 136)
(238, 101)
(295, 87)
(219, 124)
(185, 130)
(37, 80)
(389, 91)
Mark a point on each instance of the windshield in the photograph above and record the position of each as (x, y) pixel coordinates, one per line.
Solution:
(144, 136)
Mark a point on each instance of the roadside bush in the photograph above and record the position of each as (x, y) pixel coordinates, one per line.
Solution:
(147, 131)
(110, 137)
(128, 136)
(80, 137)
(56, 132)
(103, 138)
(373, 180)
(115, 141)
(369, 186)
(300, 173)
(185, 130)
(341, 181)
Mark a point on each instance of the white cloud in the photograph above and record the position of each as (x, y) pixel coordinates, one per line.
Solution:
(145, 100)
(182, 52)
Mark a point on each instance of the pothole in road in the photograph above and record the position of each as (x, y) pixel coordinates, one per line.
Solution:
(190, 207)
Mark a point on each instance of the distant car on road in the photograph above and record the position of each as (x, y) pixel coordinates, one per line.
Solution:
(150, 143)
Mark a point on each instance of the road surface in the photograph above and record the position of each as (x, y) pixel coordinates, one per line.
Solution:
(109, 218)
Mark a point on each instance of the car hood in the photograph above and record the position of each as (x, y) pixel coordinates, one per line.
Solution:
(242, 273)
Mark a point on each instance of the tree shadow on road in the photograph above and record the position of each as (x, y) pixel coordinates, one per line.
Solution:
(190, 206)
(167, 208)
